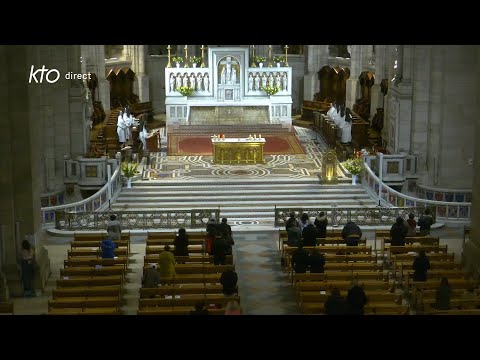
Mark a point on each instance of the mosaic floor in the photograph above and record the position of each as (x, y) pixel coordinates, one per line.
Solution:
(194, 167)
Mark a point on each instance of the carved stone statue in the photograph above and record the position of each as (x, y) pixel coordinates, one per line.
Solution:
(264, 80)
(205, 82)
(250, 82)
(284, 82)
(172, 82)
(192, 80)
(222, 76)
(278, 81)
(178, 81)
(233, 79)
(185, 79)
(199, 82)
(270, 80)
(257, 81)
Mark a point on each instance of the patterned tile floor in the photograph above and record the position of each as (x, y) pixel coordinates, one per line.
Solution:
(276, 166)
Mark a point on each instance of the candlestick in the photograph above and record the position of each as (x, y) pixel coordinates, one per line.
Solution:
(203, 58)
(270, 63)
(253, 57)
(169, 65)
(186, 56)
(286, 55)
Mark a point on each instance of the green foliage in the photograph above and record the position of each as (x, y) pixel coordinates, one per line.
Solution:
(354, 166)
(185, 90)
(177, 59)
(260, 59)
(270, 90)
(278, 58)
(129, 169)
(196, 60)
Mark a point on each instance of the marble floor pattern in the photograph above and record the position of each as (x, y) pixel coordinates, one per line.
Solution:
(263, 286)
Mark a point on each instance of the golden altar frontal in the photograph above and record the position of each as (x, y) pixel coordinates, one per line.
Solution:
(238, 150)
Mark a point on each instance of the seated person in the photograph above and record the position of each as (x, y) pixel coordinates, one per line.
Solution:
(229, 280)
(108, 249)
(398, 232)
(317, 262)
(200, 309)
(443, 295)
(300, 259)
(151, 278)
(351, 233)
(356, 299)
(335, 303)
(421, 265)
(166, 264)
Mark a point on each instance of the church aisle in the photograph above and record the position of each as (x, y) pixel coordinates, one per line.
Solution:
(264, 288)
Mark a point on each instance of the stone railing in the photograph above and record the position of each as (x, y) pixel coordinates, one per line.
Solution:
(339, 216)
(136, 220)
(448, 195)
(100, 201)
(445, 211)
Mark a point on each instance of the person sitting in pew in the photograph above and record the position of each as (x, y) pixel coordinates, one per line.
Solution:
(443, 295)
(229, 280)
(108, 248)
(317, 262)
(412, 225)
(356, 299)
(151, 278)
(351, 233)
(421, 265)
(310, 233)
(300, 259)
(181, 243)
(166, 264)
(335, 303)
(321, 223)
(398, 232)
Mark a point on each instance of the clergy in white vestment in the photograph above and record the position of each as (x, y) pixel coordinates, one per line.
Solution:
(121, 125)
(142, 135)
(128, 125)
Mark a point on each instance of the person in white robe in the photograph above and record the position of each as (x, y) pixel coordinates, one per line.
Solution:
(127, 118)
(121, 128)
(143, 134)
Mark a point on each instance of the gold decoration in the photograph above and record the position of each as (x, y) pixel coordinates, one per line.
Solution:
(253, 57)
(203, 57)
(169, 65)
(186, 57)
(286, 55)
(270, 59)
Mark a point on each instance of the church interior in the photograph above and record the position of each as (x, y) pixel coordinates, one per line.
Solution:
(166, 137)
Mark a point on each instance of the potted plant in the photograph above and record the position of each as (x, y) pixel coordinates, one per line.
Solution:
(195, 60)
(270, 90)
(355, 167)
(129, 170)
(278, 59)
(260, 60)
(185, 90)
(178, 60)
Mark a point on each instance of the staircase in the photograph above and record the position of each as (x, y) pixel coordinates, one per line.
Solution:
(249, 201)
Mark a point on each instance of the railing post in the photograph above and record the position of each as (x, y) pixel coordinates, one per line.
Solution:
(109, 182)
(380, 177)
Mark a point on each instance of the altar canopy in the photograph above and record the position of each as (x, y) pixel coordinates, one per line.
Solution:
(228, 81)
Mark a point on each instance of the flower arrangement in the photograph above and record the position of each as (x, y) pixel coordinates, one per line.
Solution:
(278, 58)
(129, 169)
(185, 90)
(270, 90)
(177, 59)
(196, 60)
(260, 59)
(354, 166)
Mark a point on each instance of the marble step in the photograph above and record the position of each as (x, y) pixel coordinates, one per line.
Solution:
(234, 183)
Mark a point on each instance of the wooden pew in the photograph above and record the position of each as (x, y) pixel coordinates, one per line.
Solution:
(341, 275)
(153, 258)
(455, 312)
(195, 268)
(76, 281)
(86, 291)
(187, 300)
(92, 261)
(6, 308)
(181, 290)
(157, 249)
(85, 302)
(85, 311)
(94, 251)
(97, 243)
(178, 310)
(163, 242)
(341, 285)
(332, 249)
(93, 271)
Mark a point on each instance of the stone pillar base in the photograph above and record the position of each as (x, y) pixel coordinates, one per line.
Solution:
(351, 92)
(143, 88)
(376, 100)
(309, 87)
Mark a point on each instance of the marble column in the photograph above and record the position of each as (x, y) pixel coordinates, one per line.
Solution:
(376, 93)
(471, 249)
(20, 183)
(356, 61)
(93, 61)
(317, 56)
(141, 83)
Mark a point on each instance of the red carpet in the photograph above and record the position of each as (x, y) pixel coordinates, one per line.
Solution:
(180, 144)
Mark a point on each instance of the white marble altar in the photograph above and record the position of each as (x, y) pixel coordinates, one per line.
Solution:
(228, 80)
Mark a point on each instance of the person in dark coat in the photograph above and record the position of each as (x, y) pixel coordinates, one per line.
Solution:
(398, 232)
(219, 249)
(181, 243)
(421, 265)
(310, 233)
(335, 303)
(294, 236)
(321, 223)
(317, 262)
(229, 280)
(356, 299)
(300, 259)
(351, 233)
(292, 221)
(425, 222)
(443, 295)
